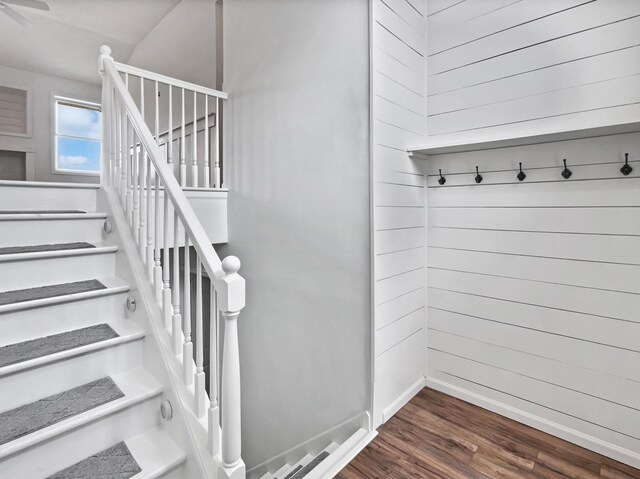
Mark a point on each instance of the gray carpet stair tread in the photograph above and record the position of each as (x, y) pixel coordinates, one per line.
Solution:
(113, 463)
(44, 247)
(38, 212)
(292, 473)
(311, 466)
(35, 348)
(32, 417)
(51, 291)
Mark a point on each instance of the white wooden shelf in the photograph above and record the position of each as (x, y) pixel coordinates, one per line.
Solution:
(442, 148)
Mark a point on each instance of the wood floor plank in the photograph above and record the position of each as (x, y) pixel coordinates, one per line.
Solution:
(436, 436)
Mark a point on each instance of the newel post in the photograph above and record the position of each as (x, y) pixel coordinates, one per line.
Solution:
(107, 96)
(230, 289)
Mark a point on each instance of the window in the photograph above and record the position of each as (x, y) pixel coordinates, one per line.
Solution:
(78, 134)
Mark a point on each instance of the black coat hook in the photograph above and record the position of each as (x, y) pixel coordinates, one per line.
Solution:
(442, 180)
(566, 173)
(522, 175)
(626, 169)
(478, 177)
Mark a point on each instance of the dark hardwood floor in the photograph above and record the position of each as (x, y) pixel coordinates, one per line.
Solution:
(438, 436)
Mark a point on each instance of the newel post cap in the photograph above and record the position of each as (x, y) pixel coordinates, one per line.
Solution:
(231, 265)
(231, 286)
(105, 52)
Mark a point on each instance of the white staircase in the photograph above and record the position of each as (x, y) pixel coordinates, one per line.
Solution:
(45, 351)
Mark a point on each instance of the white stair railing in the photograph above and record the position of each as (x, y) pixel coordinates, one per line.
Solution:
(134, 166)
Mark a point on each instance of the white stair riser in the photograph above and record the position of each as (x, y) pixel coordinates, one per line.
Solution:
(62, 451)
(46, 198)
(40, 382)
(49, 231)
(63, 269)
(22, 325)
(177, 473)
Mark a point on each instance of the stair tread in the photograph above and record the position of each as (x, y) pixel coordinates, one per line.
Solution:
(135, 386)
(39, 212)
(35, 348)
(116, 462)
(293, 472)
(49, 291)
(45, 247)
(29, 418)
(50, 215)
(309, 467)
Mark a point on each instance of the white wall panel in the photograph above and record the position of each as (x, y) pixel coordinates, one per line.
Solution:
(532, 287)
(499, 69)
(398, 121)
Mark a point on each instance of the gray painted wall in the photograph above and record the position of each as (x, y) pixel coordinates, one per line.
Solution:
(297, 146)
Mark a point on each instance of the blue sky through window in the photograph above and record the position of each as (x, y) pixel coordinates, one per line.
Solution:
(78, 138)
(76, 154)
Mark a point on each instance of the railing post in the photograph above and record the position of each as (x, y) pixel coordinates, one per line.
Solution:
(105, 160)
(231, 296)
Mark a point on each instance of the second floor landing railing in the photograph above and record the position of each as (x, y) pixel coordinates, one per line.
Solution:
(184, 119)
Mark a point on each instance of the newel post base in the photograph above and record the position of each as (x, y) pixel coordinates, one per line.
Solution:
(235, 472)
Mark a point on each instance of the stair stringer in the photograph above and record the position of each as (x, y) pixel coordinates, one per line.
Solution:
(158, 358)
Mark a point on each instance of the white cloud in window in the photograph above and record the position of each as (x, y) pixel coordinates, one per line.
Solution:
(73, 160)
(78, 121)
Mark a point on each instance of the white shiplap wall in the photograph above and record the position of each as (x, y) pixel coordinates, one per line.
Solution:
(534, 287)
(504, 68)
(398, 120)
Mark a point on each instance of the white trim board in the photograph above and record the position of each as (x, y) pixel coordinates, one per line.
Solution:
(340, 434)
(343, 455)
(403, 399)
(441, 148)
(589, 442)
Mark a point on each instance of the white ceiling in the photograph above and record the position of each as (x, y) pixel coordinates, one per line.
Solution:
(65, 41)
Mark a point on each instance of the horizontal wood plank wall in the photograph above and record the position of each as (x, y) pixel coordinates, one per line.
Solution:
(534, 287)
(398, 120)
(505, 68)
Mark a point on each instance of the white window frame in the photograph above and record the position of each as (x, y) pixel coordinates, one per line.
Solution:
(81, 103)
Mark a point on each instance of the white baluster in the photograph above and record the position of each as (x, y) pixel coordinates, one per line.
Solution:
(142, 176)
(130, 158)
(130, 169)
(183, 153)
(214, 410)
(155, 272)
(167, 307)
(176, 326)
(231, 297)
(150, 228)
(136, 192)
(125, 157)
(217, 180)
(117, 144)
(207, 169)
(170, 138)
(194, 134)
(157, 268)
(200, 392)
(157, 112)
(187, 347)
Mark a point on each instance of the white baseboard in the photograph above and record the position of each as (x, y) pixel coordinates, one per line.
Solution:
(589, 442)
(343, 455)
(340, 434)
(402, 400)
